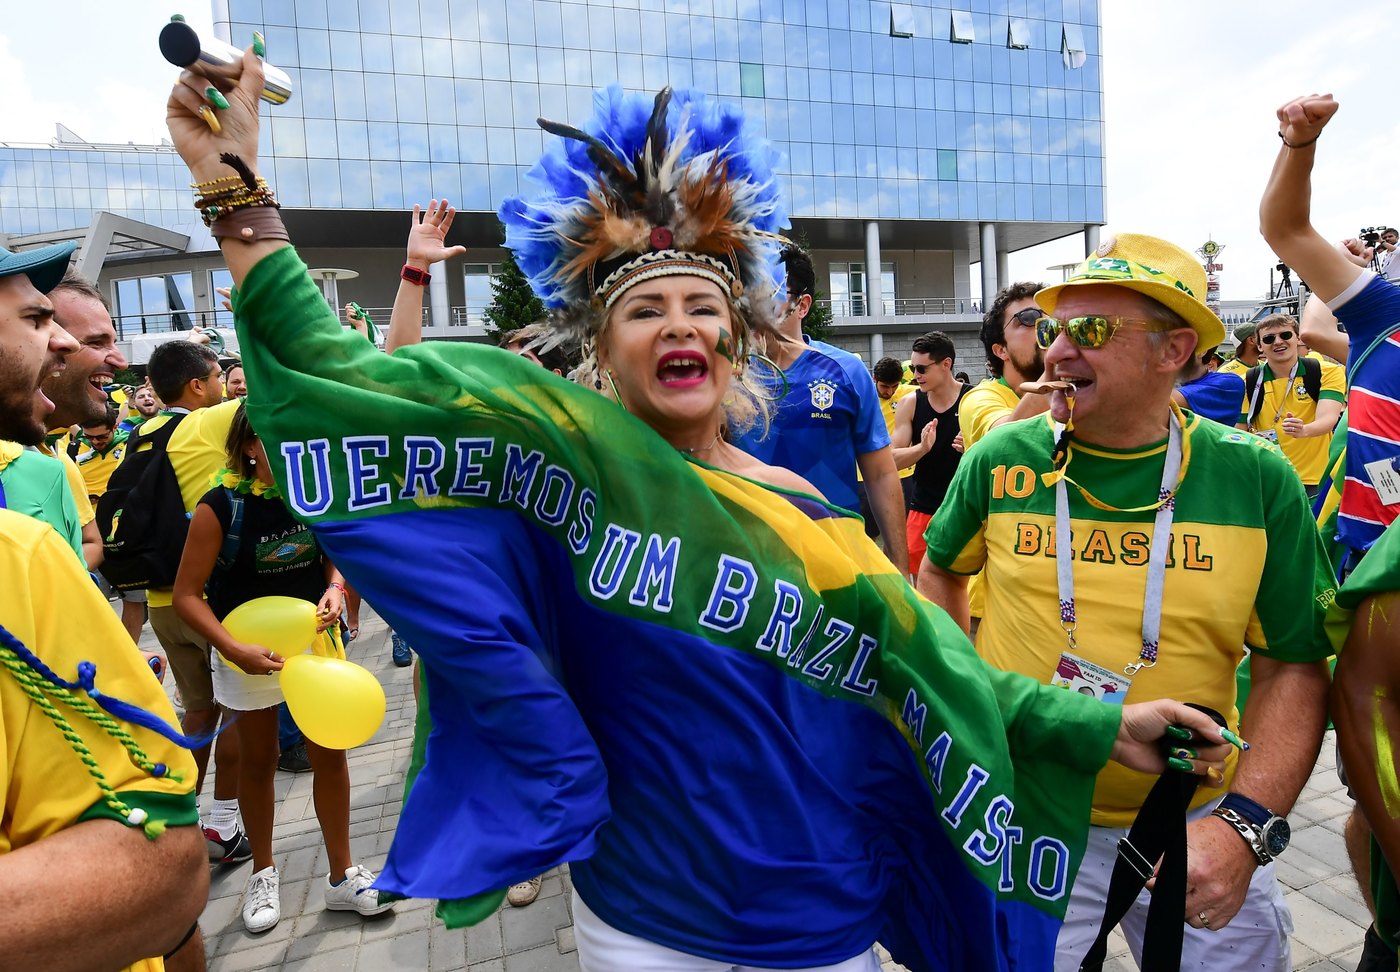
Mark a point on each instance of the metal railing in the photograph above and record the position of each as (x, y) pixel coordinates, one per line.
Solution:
(904, 307)
(470, 320)
(130, 325)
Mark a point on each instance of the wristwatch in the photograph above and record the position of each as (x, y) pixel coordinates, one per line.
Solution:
(1266, 833)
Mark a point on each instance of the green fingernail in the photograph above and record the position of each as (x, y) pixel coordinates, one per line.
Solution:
(1233, 739)
(1176, 732)
(259, 45)
(215, 98)
(1181, 765)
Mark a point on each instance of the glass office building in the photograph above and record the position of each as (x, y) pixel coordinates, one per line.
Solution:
(919, 137)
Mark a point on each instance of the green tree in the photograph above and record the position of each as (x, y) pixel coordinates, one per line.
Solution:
(817, 324)
(513, 303)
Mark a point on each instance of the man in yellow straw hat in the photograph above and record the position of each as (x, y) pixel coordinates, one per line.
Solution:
(1113, 569)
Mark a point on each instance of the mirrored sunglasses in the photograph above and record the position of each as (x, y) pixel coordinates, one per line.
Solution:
(1091, 331)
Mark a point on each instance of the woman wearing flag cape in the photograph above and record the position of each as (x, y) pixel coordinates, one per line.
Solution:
(646, 653)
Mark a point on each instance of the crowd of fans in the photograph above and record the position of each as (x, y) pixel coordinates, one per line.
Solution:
(1127, 506)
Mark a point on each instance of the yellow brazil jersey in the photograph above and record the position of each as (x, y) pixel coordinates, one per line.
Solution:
(990, 400)
(46, 786)
(196, 453)
(887, 407)
(1234, 367)
(1280, 399)
(1226, 585)
(97, 467)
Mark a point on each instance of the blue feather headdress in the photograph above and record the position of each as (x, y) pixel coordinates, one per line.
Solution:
(678, 184)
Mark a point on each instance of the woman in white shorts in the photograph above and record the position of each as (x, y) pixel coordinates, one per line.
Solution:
(244, 544)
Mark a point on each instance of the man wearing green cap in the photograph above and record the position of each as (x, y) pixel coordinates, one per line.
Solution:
(1111, 569)
(100, 860)
(1246, 351)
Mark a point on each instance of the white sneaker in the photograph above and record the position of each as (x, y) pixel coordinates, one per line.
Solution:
(355, 893)
(262, 901)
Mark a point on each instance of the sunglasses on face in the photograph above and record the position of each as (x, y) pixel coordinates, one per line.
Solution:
(1091, 331)
(1027, 317)
(921, 369)
(1269, 339)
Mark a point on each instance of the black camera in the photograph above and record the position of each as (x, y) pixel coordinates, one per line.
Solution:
(1371, 235)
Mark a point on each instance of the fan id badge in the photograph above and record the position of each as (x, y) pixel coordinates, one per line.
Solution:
(1083, 676)
(1268, 435)
(1386, 480)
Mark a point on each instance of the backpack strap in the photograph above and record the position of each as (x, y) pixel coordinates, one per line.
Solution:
(1312, 377)
(233, 539)
(1252, 377)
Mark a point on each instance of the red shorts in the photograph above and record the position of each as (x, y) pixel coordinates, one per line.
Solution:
(914, 526)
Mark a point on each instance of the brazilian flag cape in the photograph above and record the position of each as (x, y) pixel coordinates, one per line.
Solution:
(752, 740)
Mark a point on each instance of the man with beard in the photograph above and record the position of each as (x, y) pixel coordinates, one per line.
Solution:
(235, 385)
(1246, 350)
(66, 842)
(147, 407)
(77, 392)
(1008, 335)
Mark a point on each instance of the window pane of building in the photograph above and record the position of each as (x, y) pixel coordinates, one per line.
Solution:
(962, 31)
(751, 80)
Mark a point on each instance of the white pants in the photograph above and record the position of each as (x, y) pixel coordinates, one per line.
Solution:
(1257, 938)
(602, 948)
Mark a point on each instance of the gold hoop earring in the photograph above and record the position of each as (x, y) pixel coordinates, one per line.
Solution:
(776, 370)
(616, 394)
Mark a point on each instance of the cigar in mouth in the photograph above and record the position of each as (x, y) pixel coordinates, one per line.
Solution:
(1044, 387)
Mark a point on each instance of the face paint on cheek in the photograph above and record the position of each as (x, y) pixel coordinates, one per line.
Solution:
(1385, 755)
(723, 346)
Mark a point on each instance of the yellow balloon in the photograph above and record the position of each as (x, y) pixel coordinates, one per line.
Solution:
(337, 704)
(285, 625)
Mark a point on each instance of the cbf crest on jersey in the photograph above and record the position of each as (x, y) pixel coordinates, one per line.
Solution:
(1299, 389)
(823, 394)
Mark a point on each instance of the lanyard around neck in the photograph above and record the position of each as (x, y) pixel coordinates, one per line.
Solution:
(1283, 398)
(1156, 557)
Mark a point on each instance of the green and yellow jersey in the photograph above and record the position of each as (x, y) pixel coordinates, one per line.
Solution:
(1228, 583)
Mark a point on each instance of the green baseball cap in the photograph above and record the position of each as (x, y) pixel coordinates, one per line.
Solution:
(45, 266)
(1245, 331)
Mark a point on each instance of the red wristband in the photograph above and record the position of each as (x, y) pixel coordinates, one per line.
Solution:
(415, 276)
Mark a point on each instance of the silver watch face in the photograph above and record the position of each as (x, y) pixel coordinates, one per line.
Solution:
(1275, 836)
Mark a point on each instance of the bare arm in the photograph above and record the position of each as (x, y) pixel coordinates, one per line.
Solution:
(202, 546)
(1366, 707)
(92, 545)
(426, 235)
(56, 923)
(887, 503)
(947, 590)
(1318, 329)
(1284, 721)
(905, 453)
(1328, 411)
(1285, 212)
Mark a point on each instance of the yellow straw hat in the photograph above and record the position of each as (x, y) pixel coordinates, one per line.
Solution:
(1154, 268)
